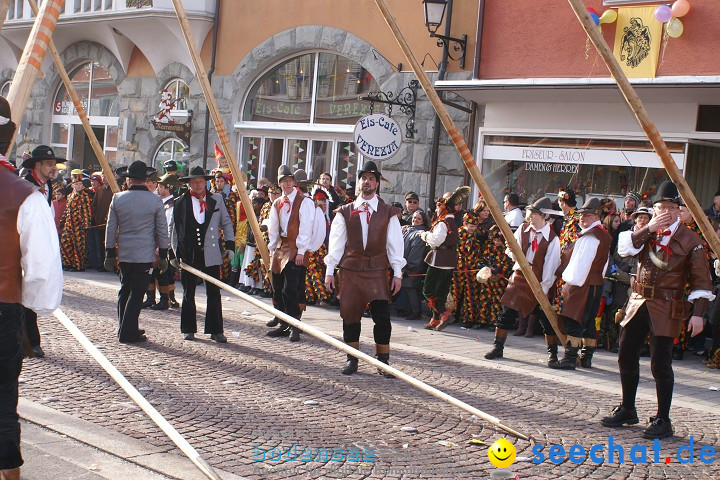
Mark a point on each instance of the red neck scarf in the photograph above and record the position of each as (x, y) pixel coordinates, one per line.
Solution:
(365, 209)
(42, 184)
(535, 243)
(657, 243)
(285, 201)
(6, 164)
(203, 203)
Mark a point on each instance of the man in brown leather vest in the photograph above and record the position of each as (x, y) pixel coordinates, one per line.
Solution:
(442, 257)
(366, 240)
(542, 250)
(669, 258)
(289, 234)
(584, 277)
(30, 276)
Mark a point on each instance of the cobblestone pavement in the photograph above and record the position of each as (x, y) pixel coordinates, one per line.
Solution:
(250, 405)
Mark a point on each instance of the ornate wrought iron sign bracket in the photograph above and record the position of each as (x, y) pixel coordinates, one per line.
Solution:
(405, 100)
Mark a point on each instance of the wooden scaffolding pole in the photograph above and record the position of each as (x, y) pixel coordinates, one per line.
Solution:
(4, 7)
(97, 148)
(646, 123)
(202, 77)
(31, 60)
(469, 161)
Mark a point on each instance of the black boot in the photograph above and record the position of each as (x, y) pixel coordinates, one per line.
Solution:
(522, 327)
(351, 366)
(498, 344)
(149, 299)
(294, 334)
(552, 350)
(283, 330)
(173, 303)
(273, 323)
(620, 416)
(162, 304)
(384, 358)
(586, 355)
(569, 360)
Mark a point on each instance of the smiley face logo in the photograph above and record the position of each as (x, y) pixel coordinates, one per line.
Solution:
(502, 453)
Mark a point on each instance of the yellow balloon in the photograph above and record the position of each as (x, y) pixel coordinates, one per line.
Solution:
(608, 16)
(674, 28)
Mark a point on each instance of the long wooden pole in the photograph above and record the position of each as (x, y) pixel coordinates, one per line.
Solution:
(324, 337)
(469, 160)
(32, 57)
(202, 77)
(646, 123)
(4, 7)
(136, 396)
(109, 174)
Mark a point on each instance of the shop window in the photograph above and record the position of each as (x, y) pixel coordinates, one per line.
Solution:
(708, 118)
(249, 158)
(5, 89)
(172, 149)
(180, 93)
(96, 89)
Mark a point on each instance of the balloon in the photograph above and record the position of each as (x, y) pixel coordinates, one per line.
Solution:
(674, 28)
(609, 16)
(663, 14)
(680, 8)
(595, 19)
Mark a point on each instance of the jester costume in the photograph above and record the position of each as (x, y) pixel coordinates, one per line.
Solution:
(568, 236)
(76, 221)
(490, 293)
(255, 269)
(315, 290)
(465, 289)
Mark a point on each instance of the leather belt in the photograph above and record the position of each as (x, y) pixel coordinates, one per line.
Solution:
(650, 292)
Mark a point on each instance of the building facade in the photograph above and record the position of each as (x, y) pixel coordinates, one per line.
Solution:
(290, 78)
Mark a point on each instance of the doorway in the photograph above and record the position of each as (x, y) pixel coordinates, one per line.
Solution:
(82, 153)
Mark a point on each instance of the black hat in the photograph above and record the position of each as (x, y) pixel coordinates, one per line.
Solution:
(170, 165)
(369, 167)
(411, 196)
(120, 171)
(169, 179)
(568, 195)
(592, 205)
(138, 170)
(542, 205)
(668, 192)
(41, 152)
(7, 126)
(196, 172)
(300, 176)
(284, 171)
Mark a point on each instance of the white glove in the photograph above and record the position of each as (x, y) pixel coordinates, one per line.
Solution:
(717, 267)
(229, 254)
(484, 275)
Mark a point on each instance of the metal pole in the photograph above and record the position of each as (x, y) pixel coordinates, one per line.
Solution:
(324, 337)
(154, 415)
(470, 164)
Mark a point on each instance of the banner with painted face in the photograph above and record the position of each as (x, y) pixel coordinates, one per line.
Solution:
(638, 37)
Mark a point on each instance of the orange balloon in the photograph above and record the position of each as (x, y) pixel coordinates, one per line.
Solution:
(680, 8)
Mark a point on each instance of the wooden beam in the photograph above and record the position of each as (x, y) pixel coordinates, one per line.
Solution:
(31, 60)
(472, 167)
(97, 148)
(202, 77)
(646, 123)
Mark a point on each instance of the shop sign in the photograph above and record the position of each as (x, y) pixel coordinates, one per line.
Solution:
(164, 119)
(378, 136)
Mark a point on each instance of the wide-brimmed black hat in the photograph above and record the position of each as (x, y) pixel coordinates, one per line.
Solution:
(567, 195)
(593, 205)
(41, 152)
(369, 167)
(196, 172)
(284, 171)
(7, 126)
(542, 205)
(668, 192)
(138, 170)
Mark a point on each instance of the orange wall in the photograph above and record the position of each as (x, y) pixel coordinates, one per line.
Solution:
(244, 24)
(139, 66)
(543, 38)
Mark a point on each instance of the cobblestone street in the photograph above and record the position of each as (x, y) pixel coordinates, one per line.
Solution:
(244, 404)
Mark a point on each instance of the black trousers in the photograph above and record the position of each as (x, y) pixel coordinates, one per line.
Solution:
(380, 311)
(95, 247)
(508, 319)
(632, 338)
(188, 311)
(31, 327)
(134, 279)
(586, 329)
(11, 341)
(289, 289)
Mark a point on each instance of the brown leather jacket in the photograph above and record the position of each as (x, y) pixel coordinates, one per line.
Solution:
(662, 290)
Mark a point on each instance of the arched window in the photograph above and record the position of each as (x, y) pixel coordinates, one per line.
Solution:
(5, 89)
(301, 113)
(180, 92)
(172, 149)
(99, 97)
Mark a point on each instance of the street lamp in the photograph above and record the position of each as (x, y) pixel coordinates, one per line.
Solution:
(434, 13)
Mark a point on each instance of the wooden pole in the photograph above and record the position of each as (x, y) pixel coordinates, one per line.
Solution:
(31, 60)
(470, 164)
(342, 346)
(136, 396)
(202, 77)
(646, 123)
(4, 7)
(109, 174)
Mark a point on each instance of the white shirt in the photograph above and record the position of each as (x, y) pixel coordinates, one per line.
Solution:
(42, 282)
(435, 238)
(169, 212)
(338, 238)
(582, 257)
(552, 255)
(199, 216)
(514, 217)
(279, 222)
